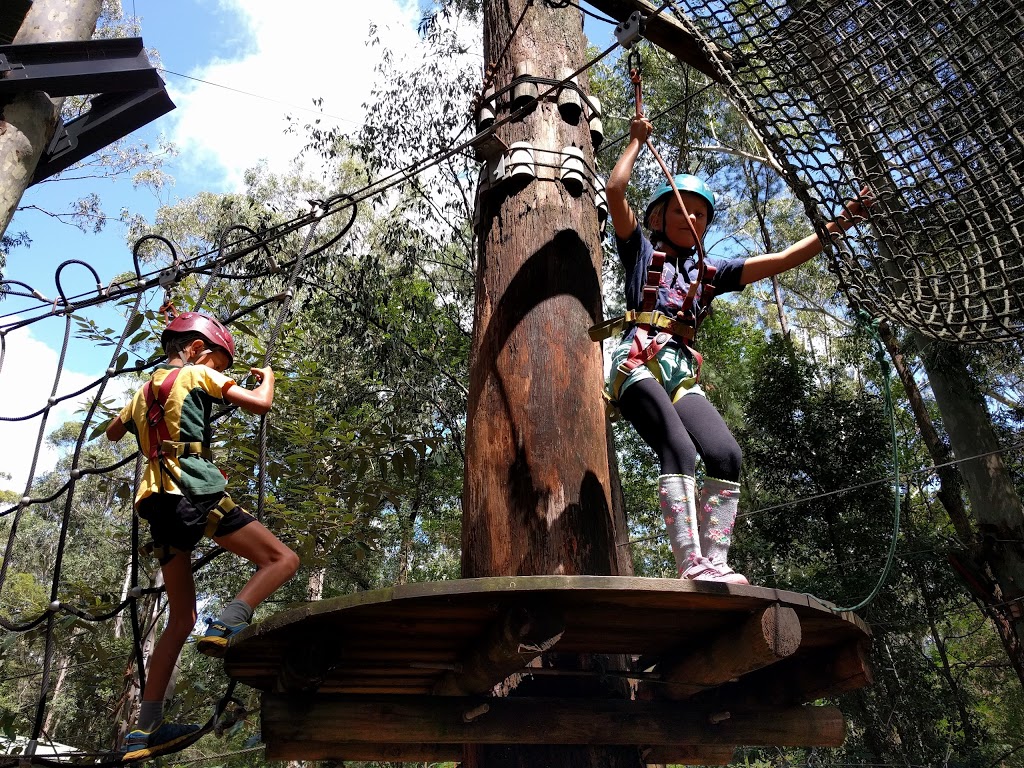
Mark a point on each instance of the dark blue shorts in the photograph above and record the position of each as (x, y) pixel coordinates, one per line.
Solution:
(177, 522)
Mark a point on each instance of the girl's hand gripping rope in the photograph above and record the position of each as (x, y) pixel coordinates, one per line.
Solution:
(856, 210)
(640, 129)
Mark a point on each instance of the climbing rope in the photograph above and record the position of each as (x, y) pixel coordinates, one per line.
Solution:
(634, 63)
(871, 326)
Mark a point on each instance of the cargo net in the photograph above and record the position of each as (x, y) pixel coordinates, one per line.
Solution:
(919, 99)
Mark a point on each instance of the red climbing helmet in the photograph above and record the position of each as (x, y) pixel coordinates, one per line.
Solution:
(210, 328)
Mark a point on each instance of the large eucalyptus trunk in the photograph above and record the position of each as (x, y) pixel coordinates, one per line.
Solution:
(538, 494)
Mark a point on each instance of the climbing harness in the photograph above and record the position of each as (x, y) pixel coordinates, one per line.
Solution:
(654, 329)
(160, 445)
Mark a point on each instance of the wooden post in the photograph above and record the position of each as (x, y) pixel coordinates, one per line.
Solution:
(28, 121)
(766, 637)
(537, 496)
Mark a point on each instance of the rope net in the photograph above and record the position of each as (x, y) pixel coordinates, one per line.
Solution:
(918, 99)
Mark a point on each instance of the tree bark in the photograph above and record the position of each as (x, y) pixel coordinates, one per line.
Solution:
(536, 498)
(950, 493)
(28, 122)
(538, 486)
(994, 500)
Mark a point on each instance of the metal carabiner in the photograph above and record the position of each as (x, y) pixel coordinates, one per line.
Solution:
(633, 64)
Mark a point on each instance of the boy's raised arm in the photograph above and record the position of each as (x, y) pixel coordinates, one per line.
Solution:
(116, 430)
(256, 400)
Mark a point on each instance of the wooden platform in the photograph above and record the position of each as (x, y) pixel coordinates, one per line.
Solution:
(407, 673)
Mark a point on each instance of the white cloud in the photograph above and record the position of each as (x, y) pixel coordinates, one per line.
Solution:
(26, 381)
(296, 52)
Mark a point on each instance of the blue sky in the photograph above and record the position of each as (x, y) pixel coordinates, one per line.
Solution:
(260, 60)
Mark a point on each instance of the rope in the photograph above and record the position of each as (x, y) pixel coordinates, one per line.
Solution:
(890, 411)
(637, 79)
(48, 618)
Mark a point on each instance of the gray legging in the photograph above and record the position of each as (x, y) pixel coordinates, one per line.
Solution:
(679, 431)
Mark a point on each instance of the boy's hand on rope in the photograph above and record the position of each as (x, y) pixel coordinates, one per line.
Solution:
(262, 374)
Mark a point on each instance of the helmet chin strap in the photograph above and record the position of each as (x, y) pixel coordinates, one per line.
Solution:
(187, 361)
(686, 251)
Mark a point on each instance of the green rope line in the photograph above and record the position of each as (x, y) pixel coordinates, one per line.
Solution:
(883, 363)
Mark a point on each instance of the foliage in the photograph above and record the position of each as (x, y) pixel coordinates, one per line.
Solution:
(362, 470)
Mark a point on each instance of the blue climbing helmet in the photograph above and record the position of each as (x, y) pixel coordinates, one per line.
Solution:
(684, 183)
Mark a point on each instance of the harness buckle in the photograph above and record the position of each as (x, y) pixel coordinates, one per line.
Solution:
(153, 419)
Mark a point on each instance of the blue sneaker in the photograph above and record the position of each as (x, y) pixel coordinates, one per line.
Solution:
(215, 641)
(166, 737)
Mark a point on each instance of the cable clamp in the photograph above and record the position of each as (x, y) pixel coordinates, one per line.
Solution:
(629, 31)
(169, 277)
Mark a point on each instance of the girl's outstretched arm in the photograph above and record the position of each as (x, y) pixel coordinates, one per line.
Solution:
(766, 265)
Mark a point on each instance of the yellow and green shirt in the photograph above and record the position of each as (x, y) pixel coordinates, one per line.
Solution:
(187, 415)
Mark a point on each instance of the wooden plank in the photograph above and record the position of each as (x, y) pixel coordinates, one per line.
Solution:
(665, 32)
(680, 754)
(392, 753)
(609, 615)
(320, 751)
(768, 636)
(449, 719)
(684, 754)
(512, 642)
(628, 592)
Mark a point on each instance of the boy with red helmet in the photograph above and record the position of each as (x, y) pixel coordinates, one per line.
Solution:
(182, 496)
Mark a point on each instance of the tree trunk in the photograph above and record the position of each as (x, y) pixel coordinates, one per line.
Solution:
(538, 486)
(950, 483)
(536, 498)
(315, 585)
(127, 707)
(29, 120)
(994, 501)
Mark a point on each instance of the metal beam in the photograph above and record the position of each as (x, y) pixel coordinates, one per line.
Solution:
(665, 32)
(76, 68)
(129, 92)
(110, 117)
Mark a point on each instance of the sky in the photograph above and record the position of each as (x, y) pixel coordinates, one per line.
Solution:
(235, 69)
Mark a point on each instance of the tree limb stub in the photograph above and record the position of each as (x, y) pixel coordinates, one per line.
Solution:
(512, 642)
(768, 636)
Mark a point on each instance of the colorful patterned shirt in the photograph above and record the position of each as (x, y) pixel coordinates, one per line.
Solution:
(636, 252)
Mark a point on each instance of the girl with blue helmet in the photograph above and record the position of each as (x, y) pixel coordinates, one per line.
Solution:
(654, 383)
